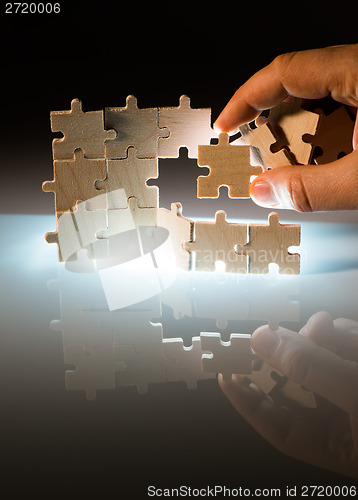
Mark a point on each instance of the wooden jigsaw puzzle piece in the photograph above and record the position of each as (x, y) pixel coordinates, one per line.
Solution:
(229, 166)
(137, 127)
(295, 128)
(227, 358)
(334, 136)
(262, 141)
(216, 241)
(127, 177)
(74, 180)
(83, 130)
(269, 244)
(188, 127)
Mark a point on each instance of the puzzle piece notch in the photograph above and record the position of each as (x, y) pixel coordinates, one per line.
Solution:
(137, 127)
(216, 241)
(127, 177)
(229, 166)
(188, 128)
(269, 244)
(227, 358)
(80, 129)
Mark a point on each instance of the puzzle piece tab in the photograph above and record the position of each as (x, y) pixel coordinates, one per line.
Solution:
(269, 244)
(83, 130)
(229, 166)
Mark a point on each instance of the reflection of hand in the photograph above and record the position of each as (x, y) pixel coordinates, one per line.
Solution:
(323, 357)
(310, 74)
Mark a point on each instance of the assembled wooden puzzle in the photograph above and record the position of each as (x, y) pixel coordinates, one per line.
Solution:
(101, 168)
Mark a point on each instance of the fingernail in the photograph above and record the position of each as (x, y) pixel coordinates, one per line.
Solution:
(263, 193)
(265, 343)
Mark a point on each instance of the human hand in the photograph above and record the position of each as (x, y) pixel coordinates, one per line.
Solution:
(311, 74)
(323, 357)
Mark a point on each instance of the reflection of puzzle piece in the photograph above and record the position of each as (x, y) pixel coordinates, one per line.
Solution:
(269, 243)
(80, 130)
(269, 300)
(334, 135)
(74, 181)
(291, 122)
(188, 127)
(93, 371)
(144, 365)
(180, 230)
(229, 166)
(184, 363)
(135, 127)
(223, 299)
(227, 357)
(215, 241)
(262, 141)
(77, 230)
(127, 177)
(268, 379)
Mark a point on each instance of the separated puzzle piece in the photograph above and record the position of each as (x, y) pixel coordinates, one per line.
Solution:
(227, 358)
(135, 127)
(127, 177)
(229, 166)
(83, 130)
(216, 241)
(269, 244)
(334, 136)
(262, 141)
(295, 128)
(188, 127)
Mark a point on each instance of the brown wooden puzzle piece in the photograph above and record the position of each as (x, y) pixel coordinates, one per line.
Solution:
(74, 180)
(127, 177)
(334, 136)
(215, 241)
(269, 243)
(229, 166)
(83, 130)
(291, 122)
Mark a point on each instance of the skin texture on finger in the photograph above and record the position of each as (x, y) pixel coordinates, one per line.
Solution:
(308, 188)
(305, 362)
(309, 74)
(321, 438)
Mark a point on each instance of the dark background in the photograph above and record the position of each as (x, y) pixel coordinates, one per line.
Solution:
(57, 444)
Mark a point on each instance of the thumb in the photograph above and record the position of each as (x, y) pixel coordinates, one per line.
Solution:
(308, 188)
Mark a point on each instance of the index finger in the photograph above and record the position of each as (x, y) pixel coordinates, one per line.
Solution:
(309, 74)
